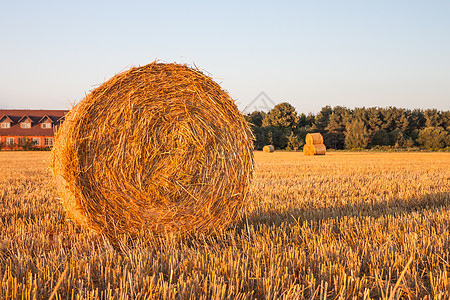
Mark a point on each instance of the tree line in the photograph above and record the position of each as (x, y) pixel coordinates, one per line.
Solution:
(358, 128)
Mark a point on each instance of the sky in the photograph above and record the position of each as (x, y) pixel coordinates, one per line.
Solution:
(307, 53)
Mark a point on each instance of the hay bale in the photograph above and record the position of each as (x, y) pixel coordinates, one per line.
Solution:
(268, 148)
(318, 149)
(314, 138)
(308, 149)
(160, 147)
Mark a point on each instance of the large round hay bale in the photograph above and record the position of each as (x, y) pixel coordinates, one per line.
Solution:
(160, 147)
(268, 148)
(314, 138)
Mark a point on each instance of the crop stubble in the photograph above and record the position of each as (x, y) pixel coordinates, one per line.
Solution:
(343, 225)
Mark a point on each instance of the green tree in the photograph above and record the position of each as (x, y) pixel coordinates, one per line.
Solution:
(433, 137)
(416, 121)
(356, 135)
(445, 120)
(398, 139)
(433, 118)
(302, 132)
(402, 120)
(276, 137)
(323, 118)
(282, 116)
(335, 137)
(388, 118)
(374, 120)
(380, 138)
(294, 142)
(260, 137)
(256, 118)
(301, 120)
(310, 120)
(361, 114)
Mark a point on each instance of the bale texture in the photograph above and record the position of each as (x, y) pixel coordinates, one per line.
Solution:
(314, 138)
(319, 149)
(268, 148)
(308, 149)
(160, 147)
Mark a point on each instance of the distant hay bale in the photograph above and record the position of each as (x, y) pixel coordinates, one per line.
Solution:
(268, 148)
(318, 149)
(314, 138)
(160, 147)
(308, 149)
(314, 144)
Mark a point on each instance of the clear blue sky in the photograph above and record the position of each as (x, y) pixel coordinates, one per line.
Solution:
(308, 53)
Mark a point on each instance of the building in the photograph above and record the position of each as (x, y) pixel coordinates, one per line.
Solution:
(21, 129)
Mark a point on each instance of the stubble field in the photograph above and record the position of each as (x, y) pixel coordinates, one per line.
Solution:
(340, 226)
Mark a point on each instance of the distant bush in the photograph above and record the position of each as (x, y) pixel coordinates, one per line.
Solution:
(433, 137)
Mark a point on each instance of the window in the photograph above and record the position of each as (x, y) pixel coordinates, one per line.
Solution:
(9, 141)
(48, 141)
(6, 124)
(36, 141)
(22, 141)
(46, 125)
(25, 125)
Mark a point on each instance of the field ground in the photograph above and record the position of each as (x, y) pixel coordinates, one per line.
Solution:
(340, 226)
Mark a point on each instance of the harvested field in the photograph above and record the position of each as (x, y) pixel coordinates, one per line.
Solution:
(344, 225)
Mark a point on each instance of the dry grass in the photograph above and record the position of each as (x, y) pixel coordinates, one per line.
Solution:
(158, 148)
(370, 226)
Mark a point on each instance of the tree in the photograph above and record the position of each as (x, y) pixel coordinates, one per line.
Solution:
(374, 119)
(416, 121)
(310, 120)
(403, 120)
(302, 132)
(433, 118)
(433, 137)
(323, 118)
(260, 138)
(361, 114)
(294, 141)
(356, 135)
(398, 139)
(275, 137)
(256, 118)
(334, 138)
(445, 120)
(282, 116)
(380, 138)
(388, 118)
(301, 120)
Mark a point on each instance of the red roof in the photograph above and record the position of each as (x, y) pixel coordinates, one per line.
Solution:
(15, 115)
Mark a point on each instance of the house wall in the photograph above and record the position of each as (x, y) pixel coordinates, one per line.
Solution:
(16, 141)
(35, 121)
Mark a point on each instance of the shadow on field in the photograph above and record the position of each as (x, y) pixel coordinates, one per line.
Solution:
(393, 207)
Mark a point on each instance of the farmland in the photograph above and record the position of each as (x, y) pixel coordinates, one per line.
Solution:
(346, 225)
